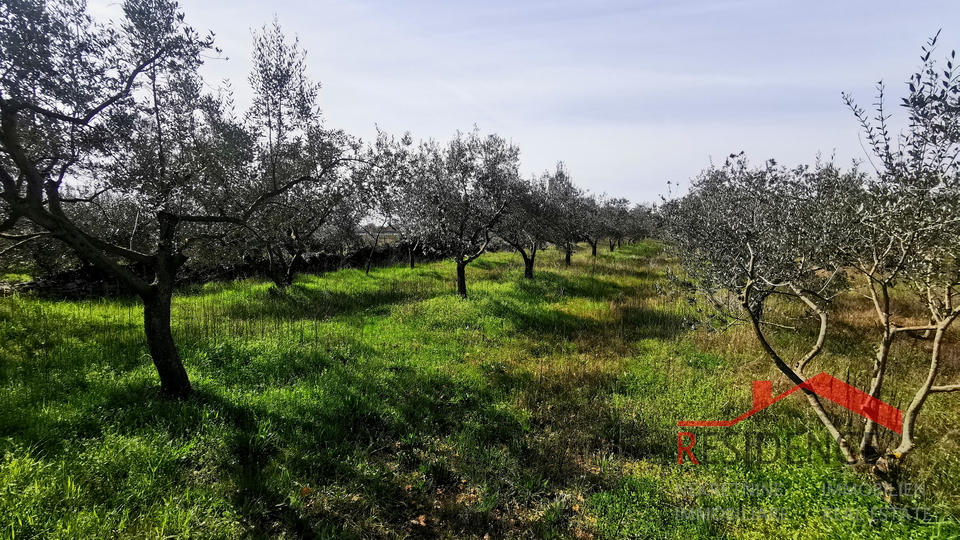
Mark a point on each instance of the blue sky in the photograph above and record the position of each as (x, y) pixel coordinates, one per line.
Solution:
(630, 95)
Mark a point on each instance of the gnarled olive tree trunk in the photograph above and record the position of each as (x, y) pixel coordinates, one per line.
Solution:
(157, 301)
(174, 381)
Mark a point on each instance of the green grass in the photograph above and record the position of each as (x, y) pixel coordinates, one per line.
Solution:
(384, 406)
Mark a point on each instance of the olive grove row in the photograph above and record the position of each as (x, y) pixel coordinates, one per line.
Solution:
(113, 149)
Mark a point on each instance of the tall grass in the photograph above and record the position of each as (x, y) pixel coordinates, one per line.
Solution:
(384, 406)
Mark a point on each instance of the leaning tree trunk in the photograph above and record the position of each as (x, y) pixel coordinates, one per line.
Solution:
(462, 279)
(613, 245)
(163, 350)
(568, 255)
(366, 269)
(528, 263)
(174, 381)
(593, 247)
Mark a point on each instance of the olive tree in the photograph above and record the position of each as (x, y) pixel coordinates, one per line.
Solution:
(290, 143)
(405, 199)
(615, 213)
(604, 217)
(910, 227)
(567, 213)
(73, 92)
(749, 237)
(594, 226)
(88, 110)
(526, 223)
(641, 222)
(752, 240)
(389, 196)
(464, 189)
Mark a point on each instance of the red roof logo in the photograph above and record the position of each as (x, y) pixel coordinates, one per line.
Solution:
(826, 386)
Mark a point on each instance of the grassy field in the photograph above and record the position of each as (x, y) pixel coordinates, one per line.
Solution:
(384, 406)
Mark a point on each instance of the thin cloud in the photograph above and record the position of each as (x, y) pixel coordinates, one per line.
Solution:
(630, 95)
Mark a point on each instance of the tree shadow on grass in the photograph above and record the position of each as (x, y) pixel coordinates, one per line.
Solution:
(553, 286)
(304, 301)
(305, 467)
(298, 303)
(251, 364)
(644, 323)
(486, 263)
(53, 363)
(355, 451)
(628, 323)
(314, 445)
